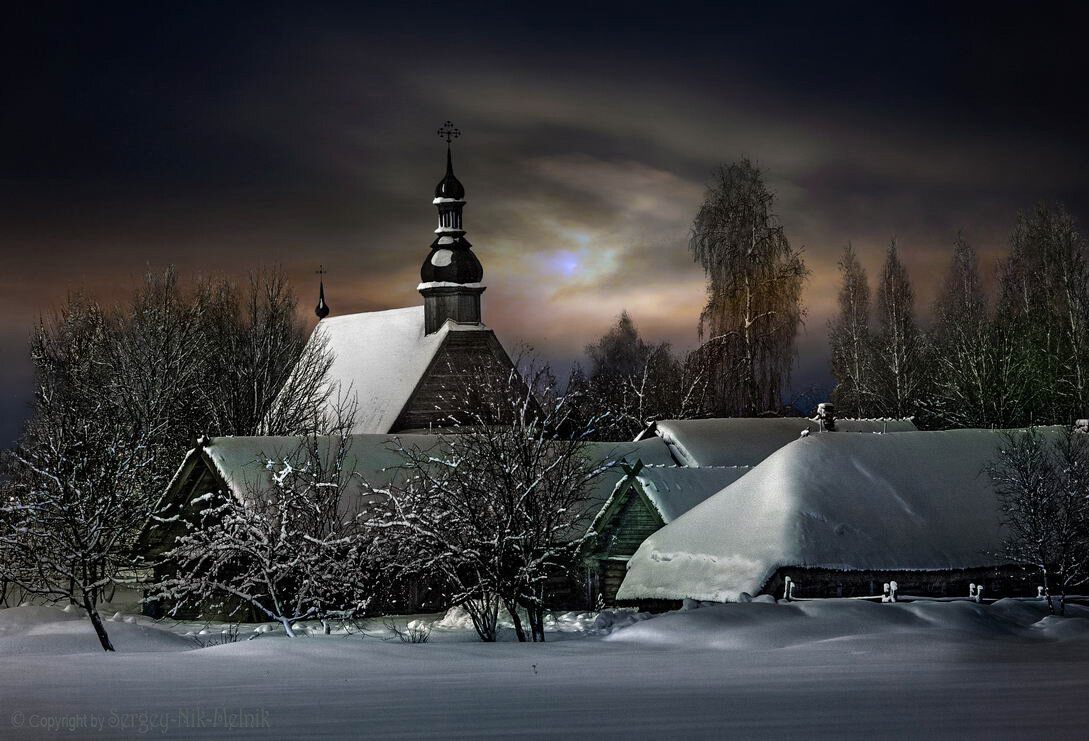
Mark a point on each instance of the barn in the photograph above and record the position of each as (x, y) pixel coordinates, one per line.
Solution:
(840, 515)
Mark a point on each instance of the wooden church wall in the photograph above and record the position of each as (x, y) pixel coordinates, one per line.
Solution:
(462, 358)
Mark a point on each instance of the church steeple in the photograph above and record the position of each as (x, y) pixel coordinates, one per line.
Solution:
(451, 274)
(322, 309)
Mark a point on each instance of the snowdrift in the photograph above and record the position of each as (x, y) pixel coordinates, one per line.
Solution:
(915, 500)
(798, 624)
(49, 631)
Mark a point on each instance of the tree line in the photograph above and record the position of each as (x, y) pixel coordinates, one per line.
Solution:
(1020, 360)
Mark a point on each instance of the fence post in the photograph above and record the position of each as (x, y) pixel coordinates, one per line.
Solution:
(892, 591)
(885, 593)
(972, 591)
(979, 593)
(788, 588)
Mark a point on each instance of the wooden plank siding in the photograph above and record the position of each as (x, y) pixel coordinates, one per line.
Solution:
(464, 355)
(627, 521)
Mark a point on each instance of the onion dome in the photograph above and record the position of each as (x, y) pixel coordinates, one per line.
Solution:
(451, 263)
(451, 273)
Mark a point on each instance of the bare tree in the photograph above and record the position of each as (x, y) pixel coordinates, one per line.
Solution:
(977, 376)
(899, 348)
(81, 478)
(754, 281)
(292, 550)
(1044, 310)
(633, 382)
(851, 340)
(1043, 491)
(269, 378)
(121, 393)
(497, 506)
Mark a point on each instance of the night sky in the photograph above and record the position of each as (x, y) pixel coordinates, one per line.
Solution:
(221, 137)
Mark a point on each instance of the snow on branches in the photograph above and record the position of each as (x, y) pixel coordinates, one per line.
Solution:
(498, 506)
(1043, 489)
(292, 549)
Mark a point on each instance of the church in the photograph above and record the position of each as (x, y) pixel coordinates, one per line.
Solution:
(394, 367)
(710, 509)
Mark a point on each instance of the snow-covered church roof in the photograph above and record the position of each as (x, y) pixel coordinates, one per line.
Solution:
(741, 441)
(910, 501)
(379, 358)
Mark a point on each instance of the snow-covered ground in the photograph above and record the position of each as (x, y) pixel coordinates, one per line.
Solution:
(834, 668)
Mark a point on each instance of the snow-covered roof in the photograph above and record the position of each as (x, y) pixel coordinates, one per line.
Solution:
(379, 358)
(673, 490)
(240, 461)
(740, 441)
(919, 500)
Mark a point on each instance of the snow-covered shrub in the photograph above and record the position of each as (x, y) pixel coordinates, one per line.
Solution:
(207, 638)
(499, 505)
(415, 631)
(291, 552)
(1044, 494)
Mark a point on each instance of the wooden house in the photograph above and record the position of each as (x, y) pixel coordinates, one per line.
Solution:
(238, 466)
(840, 515)
(640, 505)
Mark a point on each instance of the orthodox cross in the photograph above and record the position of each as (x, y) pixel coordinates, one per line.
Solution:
(449, 132)
(321, 271)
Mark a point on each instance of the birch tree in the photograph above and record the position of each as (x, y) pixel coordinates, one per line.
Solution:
(964, 392)
(121, 393)
(1044, 308)
(754, 280)
(899, 347)
(851, 340)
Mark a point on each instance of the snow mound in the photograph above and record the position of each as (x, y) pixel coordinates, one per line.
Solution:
(49, 631)
(786, 625)
(905, 501)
